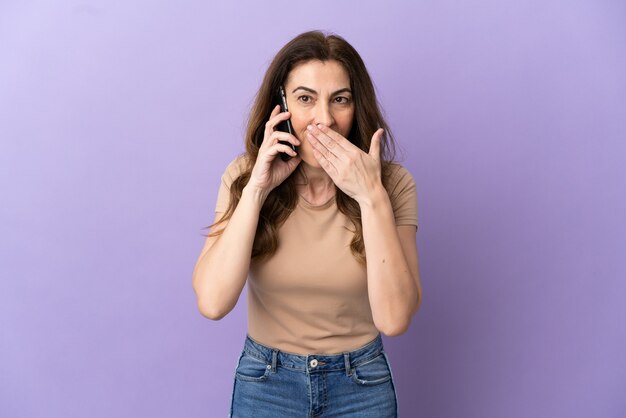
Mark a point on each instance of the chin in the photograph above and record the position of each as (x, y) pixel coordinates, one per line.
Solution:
(310, 161)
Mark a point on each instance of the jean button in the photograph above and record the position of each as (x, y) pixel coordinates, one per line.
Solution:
(313, 363)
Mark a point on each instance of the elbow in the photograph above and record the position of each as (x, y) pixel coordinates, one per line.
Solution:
(395, 328)
(207, 306)
(417, 305)
(417, 301)
(212, 302)
(399, 323)
(211, 311)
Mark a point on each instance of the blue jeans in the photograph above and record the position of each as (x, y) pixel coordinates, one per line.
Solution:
(274, 384)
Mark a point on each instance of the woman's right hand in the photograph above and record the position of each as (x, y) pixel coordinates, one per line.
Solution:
(270, 170)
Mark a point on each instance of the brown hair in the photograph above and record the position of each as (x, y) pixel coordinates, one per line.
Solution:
(281, 201)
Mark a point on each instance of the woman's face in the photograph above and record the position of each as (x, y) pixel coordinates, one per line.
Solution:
(318, 92)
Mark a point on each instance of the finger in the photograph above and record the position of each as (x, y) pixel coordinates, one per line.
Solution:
(275, 118)
(278, 118)
(276, 148)
(327, 146)
(375, 144)
(322, 148)
(325, 163)
(331, 137)
(293, 162)
(268, 127)
(284, 136)
(275, 112)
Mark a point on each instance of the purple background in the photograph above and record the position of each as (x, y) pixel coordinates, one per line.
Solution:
(117, 119)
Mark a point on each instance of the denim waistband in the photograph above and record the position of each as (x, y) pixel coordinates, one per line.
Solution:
(314, 362)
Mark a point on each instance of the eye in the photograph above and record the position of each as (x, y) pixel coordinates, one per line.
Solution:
(305, 99)
(342, 100)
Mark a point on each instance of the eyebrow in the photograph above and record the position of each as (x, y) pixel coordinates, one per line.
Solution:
(345, 89)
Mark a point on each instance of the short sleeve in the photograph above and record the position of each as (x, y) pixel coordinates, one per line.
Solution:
(234, 170)
(403, 196)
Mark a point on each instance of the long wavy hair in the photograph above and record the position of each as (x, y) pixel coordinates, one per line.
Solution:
(281, 201)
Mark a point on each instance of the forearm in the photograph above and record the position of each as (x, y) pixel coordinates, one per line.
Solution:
(392, 289)
(221, 272)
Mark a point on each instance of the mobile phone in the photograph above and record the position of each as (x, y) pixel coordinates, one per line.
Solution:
(284, 126)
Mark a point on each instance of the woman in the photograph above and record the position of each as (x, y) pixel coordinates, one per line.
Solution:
(326, 234)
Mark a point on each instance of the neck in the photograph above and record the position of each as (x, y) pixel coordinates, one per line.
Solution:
(314, 181)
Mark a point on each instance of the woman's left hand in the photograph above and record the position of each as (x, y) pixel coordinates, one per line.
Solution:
(355, 172)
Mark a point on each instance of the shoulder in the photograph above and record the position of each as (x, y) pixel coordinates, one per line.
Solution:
(397, 178)
(235, 169)
(402, 194)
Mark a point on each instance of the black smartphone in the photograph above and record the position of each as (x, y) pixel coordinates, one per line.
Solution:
(284, 126)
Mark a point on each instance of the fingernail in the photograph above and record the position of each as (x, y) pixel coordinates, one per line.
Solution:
(310, 127)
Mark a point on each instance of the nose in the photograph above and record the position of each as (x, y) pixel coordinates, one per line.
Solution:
(323, 115)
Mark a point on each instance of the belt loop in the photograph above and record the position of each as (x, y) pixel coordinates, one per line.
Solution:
(274, 356)
(346, 359)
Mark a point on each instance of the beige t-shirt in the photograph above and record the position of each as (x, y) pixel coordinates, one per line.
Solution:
(310, 297)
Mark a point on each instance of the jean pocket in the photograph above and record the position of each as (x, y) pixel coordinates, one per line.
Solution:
(372, 372)
(252, 369)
